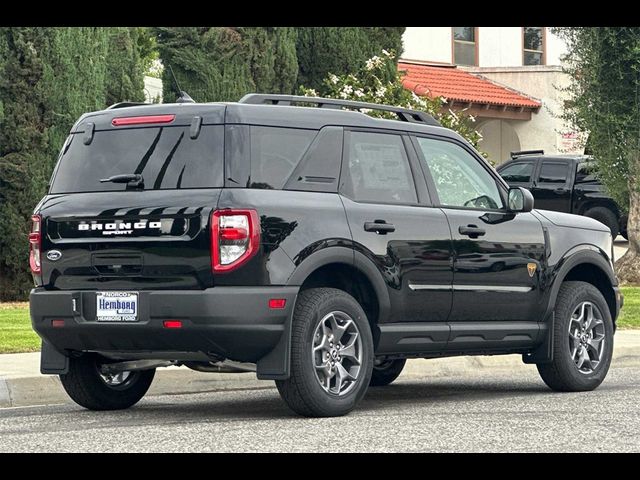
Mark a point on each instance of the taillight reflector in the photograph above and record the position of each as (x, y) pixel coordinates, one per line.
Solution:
(35, 245)
(121, 121)
(57, 323)
(235, 238)
(172, 323)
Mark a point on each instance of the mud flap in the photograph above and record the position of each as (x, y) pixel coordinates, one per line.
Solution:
(543, 353)
(52, 362)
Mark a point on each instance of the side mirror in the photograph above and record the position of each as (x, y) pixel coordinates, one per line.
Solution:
(520, 200)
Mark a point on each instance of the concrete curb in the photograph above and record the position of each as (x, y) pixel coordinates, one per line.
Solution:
(35, 389)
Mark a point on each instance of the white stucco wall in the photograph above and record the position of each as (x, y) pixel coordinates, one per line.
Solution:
(427, 43)
(498, 46)
(545, 130)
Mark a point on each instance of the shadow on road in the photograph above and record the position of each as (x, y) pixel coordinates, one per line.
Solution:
(266, 403)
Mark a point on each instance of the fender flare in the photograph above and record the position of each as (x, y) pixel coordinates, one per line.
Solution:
(353, 259)
(581, 254)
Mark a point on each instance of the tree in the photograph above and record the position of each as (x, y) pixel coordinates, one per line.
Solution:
(604, 65)
(368, 84)
(125, 65)
(48, 78)
(341, 50)
(225, 63)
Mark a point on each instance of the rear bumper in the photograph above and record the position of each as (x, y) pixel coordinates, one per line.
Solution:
(231, 322)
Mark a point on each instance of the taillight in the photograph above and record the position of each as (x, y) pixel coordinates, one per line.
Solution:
(235, 238)
(35, 243)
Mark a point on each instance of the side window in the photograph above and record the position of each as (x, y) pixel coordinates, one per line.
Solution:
(518, 172)
(377, 169)
(460, 179)
(275, 153)
(553, 172)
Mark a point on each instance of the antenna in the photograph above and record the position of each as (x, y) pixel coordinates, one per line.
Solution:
(183, 97)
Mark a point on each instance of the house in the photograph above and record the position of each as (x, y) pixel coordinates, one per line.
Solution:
(509, 78)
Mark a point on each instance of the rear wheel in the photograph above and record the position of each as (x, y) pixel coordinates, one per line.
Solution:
(582, 340)
(90, 388)
(386, 371)
(606, 216)
(331, 354)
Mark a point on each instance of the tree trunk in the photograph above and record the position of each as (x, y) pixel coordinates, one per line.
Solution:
(628, 266)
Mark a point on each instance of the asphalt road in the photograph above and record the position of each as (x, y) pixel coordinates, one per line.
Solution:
(492, 411)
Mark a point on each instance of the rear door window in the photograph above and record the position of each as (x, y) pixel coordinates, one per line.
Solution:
(553, 172)
(378, 169)
(166, 157)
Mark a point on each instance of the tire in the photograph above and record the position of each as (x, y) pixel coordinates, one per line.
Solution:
(385, 373)
(303, 391)
(87, 388)
(563, 374)
(606, 216)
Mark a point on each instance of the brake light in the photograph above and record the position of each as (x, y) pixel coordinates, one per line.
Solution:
(35, 245)
(120, 121)
(235, 238)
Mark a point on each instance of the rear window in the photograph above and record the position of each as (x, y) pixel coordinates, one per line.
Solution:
(166, 157)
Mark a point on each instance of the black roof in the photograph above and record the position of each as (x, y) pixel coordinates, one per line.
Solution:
(256, 114)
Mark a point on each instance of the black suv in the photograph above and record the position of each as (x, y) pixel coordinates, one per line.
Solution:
(322, 245)
(564, 183)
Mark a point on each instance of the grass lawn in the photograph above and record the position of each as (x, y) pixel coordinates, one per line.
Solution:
(16, 334)
(630, 314)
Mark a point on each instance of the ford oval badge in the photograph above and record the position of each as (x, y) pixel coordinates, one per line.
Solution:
(54, 255)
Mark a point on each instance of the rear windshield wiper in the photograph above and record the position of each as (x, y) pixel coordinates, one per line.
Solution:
(135, 179)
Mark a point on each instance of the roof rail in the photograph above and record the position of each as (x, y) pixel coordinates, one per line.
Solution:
(127, 104)
(526, 152)
(403, 114)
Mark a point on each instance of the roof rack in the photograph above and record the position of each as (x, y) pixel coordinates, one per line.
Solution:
(526, 152)
(127, 104)
(403, 114)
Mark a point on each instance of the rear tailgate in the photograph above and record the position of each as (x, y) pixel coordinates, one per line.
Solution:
(106, 236)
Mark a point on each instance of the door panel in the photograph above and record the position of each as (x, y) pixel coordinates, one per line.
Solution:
(414, 259)
(551, 189)
(492, 279)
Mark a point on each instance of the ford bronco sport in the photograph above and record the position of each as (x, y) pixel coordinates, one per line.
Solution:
(318, 245)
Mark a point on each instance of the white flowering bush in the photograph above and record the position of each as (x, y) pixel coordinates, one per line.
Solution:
(371, 84)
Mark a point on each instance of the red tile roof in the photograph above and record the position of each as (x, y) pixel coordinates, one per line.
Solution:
(459, 85)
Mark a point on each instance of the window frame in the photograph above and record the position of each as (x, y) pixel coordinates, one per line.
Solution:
(543, 57)
(422, 194)
(503, 187)
(476, 36)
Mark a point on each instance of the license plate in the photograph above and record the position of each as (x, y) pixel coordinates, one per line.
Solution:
(117, 306)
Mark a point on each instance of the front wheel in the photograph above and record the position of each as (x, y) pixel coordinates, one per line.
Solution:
(331, 354)
(582, 340)
(90, 388)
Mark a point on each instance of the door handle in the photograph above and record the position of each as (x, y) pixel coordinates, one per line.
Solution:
(471, 231)
(560, 191)
(379, 226)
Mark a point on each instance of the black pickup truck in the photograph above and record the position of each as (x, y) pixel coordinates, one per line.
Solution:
(564, 183)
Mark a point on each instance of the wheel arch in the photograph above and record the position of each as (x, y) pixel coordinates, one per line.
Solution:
(586, 265)
(350, 271)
